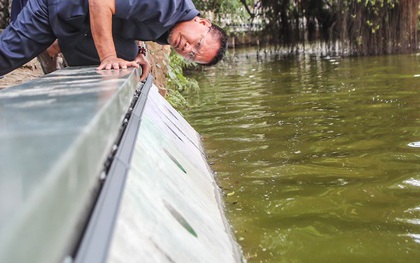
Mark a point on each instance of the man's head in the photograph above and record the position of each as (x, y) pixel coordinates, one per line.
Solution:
(199, 40)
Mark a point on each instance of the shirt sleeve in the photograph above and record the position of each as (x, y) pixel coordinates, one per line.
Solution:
(159, 11)
(144, 9)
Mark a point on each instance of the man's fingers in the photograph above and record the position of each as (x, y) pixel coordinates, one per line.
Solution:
(143, 76)
(117, 64)
(101, 66)
(145, 65)
(145, 72)
(133, 64)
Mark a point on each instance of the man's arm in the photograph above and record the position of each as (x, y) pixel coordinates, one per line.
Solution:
(100, 13)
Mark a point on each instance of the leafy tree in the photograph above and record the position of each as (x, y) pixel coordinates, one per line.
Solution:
(234, 10)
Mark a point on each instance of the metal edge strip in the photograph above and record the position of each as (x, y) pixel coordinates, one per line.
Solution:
(98, 235)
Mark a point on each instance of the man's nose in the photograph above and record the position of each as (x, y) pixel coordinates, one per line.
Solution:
(187, 47)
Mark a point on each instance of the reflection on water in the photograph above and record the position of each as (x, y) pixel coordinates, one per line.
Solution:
(314, 154)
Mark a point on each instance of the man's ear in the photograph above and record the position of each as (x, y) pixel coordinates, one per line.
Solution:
(202, 21)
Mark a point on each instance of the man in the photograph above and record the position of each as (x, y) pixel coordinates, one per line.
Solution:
(104, 32)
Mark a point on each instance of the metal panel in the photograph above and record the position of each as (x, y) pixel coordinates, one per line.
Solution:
(55, 134)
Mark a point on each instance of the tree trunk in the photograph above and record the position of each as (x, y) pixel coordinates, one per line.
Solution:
(372, 27)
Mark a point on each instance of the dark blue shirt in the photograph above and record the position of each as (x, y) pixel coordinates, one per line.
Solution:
(146, 20)
(40, 22)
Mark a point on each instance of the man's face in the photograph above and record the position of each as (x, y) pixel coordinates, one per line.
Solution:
(194, 40)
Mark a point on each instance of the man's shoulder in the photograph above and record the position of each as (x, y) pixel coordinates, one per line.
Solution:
(69, 8)
(157, 10)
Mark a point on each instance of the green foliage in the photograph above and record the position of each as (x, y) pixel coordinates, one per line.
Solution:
(233, 9)
(179, 85)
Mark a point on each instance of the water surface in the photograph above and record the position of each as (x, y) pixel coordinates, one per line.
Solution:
(314, 156)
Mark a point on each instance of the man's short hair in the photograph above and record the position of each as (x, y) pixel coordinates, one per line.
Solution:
(220, 33)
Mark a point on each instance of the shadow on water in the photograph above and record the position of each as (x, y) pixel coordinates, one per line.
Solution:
(316, 155)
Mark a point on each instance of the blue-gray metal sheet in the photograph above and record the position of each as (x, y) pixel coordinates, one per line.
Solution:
(55, 134)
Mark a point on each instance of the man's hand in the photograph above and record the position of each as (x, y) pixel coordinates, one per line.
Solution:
(145, 65)
(100, 13)
(112, 62)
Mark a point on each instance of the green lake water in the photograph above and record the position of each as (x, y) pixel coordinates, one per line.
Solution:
(316, 156)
